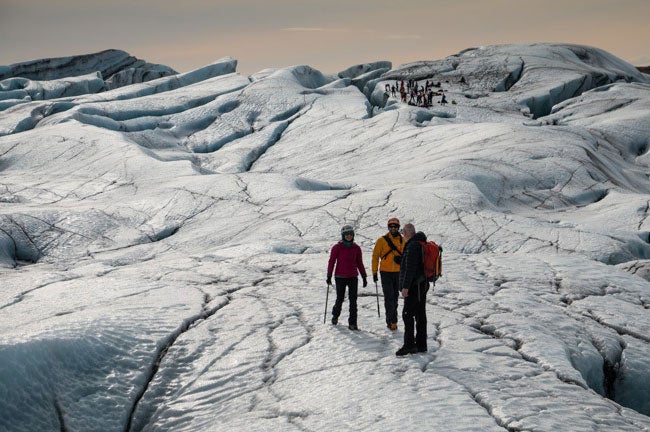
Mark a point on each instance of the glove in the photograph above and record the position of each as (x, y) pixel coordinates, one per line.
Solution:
(329, 279)
(374, 277)
(365, 281)
(397, 259)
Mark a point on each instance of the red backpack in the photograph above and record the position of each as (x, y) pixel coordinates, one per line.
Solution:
(432, 257)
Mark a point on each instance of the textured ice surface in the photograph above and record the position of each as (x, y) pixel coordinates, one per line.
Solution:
(163, 248)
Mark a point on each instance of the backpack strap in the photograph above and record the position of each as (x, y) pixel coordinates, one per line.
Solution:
(423, 245)
(391, 246)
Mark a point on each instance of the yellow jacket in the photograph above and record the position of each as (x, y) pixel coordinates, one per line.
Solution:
(384, 253)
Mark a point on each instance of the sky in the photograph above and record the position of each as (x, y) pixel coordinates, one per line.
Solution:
(329, 35)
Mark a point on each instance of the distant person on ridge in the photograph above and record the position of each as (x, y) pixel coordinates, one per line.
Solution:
(414, 286)
(388, 250)
(347, 257)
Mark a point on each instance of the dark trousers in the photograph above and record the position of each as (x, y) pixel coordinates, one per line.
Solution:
(415, 317)
(341, 284)
(390, 287)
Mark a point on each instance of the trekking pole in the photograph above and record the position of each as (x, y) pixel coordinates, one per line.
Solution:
(377, 292)
(327, 296)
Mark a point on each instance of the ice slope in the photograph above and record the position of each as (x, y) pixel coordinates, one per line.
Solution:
(164, 246)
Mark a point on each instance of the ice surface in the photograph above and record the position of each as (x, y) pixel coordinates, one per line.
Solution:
(163, 248)
(115, 66)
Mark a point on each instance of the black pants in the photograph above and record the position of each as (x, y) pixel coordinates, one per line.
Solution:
(341, 284)
(390, 287)
(415, 317)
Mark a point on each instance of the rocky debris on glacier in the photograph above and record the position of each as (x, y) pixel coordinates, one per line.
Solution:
(163, 248)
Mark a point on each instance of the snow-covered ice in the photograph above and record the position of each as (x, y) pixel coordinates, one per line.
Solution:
(163, 245)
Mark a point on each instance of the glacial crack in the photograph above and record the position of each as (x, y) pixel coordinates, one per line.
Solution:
(59, 415)
(162, 351)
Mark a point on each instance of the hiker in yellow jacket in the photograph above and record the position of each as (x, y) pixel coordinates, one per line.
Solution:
(388, 250)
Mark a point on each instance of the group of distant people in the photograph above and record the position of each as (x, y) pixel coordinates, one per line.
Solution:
(398, 258)
(412, 93)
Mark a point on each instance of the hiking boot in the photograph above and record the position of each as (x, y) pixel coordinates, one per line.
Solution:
(422, 349)
(405, 351)
(353, 327)
(335, 320)
(393, 326)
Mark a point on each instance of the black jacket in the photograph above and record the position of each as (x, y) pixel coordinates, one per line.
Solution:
(411, 271)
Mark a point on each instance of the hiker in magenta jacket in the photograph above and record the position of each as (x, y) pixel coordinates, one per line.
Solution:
(347, 256)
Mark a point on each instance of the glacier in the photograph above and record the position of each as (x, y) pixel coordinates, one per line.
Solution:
(164, 241)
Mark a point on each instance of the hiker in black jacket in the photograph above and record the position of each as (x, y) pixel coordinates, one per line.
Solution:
(414, 287)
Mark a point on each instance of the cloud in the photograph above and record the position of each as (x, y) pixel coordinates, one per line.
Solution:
(400, 36)
(316, 29)
(376, 34)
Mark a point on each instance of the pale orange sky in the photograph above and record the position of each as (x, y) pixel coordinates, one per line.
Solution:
(329, 35)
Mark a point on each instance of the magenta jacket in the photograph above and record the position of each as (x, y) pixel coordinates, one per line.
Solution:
(348, 259)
